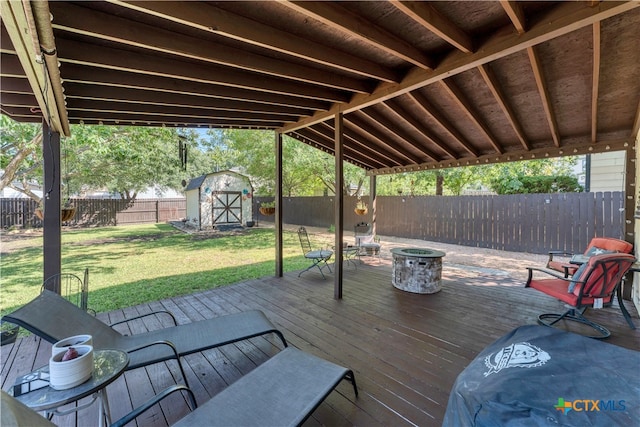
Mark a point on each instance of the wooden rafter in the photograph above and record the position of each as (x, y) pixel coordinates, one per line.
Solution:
(75, 73)
(492, 82)
(136, 96)
(538, 75)
(427, 16)
(149, 64)
(426, 107)
(405, 117)
(341, 19)
(516, 14)
(101, 26)
(367, 155)
(359, 120)
(458, 97)
(565, 18)
(223, 23)
(595, 82)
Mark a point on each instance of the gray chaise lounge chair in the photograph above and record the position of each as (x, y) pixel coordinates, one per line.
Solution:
(283, 391)
(53, 318)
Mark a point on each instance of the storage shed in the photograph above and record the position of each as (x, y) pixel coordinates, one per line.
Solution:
(219, 198)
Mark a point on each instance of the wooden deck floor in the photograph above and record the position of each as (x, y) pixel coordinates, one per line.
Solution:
(405, 349)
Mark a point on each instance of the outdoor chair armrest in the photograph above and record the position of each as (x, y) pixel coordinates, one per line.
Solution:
(175, 322)
(559, 253)
(173, 349)
(551, 273)
(149, 403)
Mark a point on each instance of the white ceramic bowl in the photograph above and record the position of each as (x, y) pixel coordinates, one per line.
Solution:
(70, 373)
(63, 345)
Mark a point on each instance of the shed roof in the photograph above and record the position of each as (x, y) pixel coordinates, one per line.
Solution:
(421, 84)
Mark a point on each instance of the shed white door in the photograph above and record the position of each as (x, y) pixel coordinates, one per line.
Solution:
(227, 207)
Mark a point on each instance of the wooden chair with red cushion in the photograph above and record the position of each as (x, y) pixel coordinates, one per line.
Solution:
(594, 285)
(597, 246)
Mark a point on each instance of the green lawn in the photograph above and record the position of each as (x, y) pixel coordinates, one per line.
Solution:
(129, 265)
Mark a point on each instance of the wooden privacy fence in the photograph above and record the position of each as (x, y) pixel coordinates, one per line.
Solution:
(533, 223)
(96, 212)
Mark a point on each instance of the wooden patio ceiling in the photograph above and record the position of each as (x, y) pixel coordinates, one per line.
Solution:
(421, 84)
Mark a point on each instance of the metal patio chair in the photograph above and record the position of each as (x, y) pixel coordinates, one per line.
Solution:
(366, 241)
(592, 286)
(72, 288)
(319, 257)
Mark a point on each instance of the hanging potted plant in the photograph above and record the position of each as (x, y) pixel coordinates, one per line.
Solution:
(361, 208)
(67, 211)
(267, 208)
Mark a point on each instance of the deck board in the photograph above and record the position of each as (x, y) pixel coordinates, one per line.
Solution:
(406, 350)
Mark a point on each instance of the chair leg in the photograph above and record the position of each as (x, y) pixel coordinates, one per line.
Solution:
(550, 319)
(625, 313)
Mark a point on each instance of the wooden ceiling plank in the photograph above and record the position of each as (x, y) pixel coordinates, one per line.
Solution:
(427, 16)
(19, 100)
(110, 58)
(108, 79)
(179, 111)
(360, 120)
(129, 95)
(428, 108)
(538, 75)
(87, 22)
(338, 18)
(221, 22)
(456, 95)
(595, 82)
(10, 84)
(494, 87)
(516, 14)
(403, 115)
(563, 19)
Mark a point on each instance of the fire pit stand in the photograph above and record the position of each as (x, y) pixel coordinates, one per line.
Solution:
(417, 270)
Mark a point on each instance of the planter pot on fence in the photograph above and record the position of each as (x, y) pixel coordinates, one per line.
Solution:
(267, 211)
(65, 214)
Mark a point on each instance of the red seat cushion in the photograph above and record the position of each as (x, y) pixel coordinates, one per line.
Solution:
(556, 288)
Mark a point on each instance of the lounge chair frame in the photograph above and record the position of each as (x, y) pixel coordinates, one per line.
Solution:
(53, 318)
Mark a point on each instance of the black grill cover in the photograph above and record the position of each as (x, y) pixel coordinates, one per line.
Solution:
(541, 376)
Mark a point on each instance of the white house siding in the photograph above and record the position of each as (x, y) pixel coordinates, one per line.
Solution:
(607, 171)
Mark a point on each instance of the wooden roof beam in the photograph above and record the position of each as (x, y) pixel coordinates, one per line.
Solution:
(328, 140)
(357, 121)
(595, 83)
(125, 119)
(151, 64)
(353, 136)
(428, 108)
(215, 20)
(81, 74)
(494, 86)
(405, 116)
(516, 14)
(429, 17)
(87, 22)
(544, 95)
(456, 94)
(20, 25)
(146, 97)
(566, 17)
(338, 18)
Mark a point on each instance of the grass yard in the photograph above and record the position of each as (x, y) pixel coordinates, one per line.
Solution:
(129, 265)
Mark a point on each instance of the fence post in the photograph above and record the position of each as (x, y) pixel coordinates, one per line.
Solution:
(157, 211)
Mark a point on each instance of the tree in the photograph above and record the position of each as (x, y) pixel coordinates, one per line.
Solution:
(118, 159)
(20, 155)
